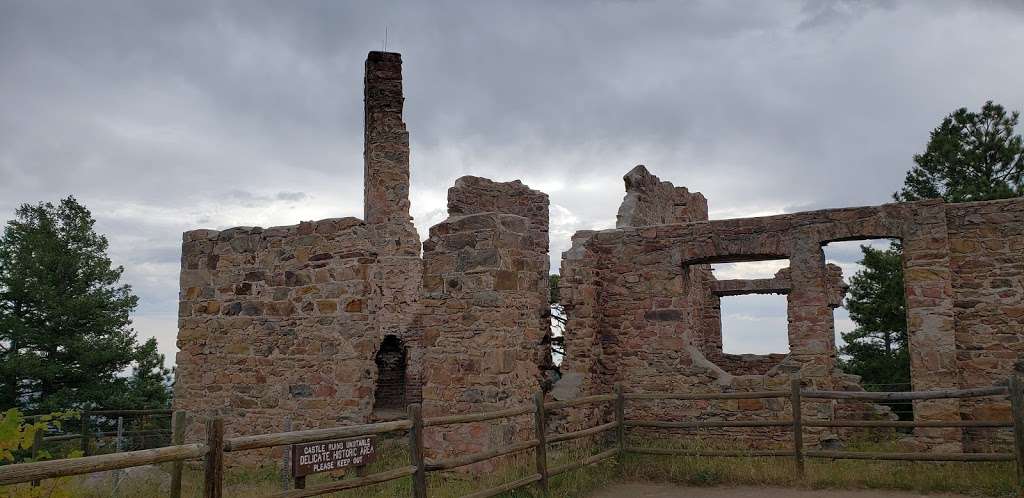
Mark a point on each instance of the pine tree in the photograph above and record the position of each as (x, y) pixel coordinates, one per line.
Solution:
(971, 156)
(65, 333)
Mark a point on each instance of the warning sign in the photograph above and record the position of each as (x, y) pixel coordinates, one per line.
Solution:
(324, 456)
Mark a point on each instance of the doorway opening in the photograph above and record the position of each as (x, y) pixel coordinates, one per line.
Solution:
(871, 326)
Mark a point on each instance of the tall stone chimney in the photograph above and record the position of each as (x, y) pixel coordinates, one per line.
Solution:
(386, 142)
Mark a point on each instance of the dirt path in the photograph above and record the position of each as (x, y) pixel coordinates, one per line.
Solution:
(638, 490)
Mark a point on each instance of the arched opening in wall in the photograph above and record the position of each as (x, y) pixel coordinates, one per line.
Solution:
(389, 396)
(870, 319)
(753, 316)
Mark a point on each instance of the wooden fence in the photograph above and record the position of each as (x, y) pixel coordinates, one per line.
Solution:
(88, 419)
(216, 444)
(796, 395)
(115, 461)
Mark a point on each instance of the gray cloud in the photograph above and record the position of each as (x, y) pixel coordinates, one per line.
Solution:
(163, 117)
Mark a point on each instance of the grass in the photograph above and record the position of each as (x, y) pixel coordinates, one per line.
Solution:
(968, 478)
(976, 479)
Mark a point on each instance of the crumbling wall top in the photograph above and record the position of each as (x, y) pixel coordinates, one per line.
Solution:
(650, 201)
(473, 194)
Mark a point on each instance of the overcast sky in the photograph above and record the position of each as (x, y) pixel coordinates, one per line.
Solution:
(167, 116)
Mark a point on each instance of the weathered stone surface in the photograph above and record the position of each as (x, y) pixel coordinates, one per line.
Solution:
(644, 311)
(471, 195)
(286, 321)
(484, 315)
(386, 154)
(650, 201)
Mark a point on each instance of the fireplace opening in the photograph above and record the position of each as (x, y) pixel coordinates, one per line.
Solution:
(389, 396)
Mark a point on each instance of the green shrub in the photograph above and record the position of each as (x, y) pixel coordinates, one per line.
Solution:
(17, 436)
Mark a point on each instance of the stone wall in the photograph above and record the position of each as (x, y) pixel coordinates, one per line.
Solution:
(285, 322)
(484, 291)
(987, 258)
(643, 313)
(473, 195)
(649, 284)
(279, 322)
(314, 322)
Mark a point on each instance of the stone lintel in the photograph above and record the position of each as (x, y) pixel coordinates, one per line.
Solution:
(741, 287)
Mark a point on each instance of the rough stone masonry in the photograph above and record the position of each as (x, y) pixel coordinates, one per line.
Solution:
(347, 320)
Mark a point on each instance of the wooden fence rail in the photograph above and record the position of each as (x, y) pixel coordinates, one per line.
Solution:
(243, 443)
(907, 396)
(25, 472)
(216, 445)
(178, 452)
(125, 434)
(113, 413)
(1015, 390)
(709, 396)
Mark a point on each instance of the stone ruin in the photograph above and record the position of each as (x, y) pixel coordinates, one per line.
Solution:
(643, 307)
(346, 320)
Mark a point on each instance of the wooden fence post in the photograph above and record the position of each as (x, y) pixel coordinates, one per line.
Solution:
(213, 485)
(541, 427)
(118, 447)
(119, 442)
(798, 430)
(419, 478)
(620, 418)
(286, 459)
(37, 446)
(1017, 406)
(178, 422)
(84, 429)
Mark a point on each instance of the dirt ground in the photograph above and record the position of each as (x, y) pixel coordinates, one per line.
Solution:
(645, 490)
